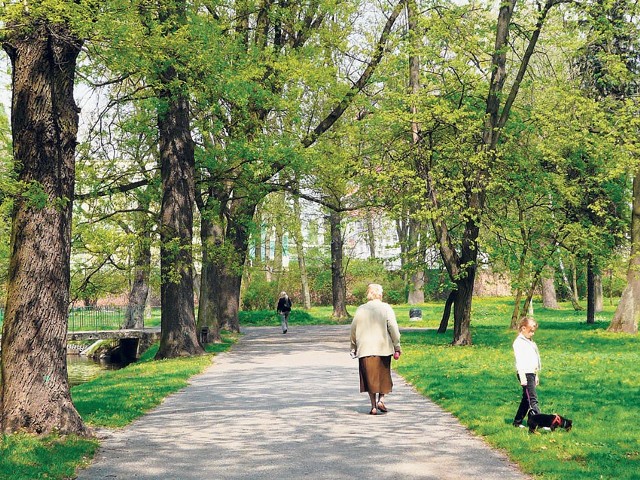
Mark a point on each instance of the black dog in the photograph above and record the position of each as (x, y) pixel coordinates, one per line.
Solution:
(551, 421)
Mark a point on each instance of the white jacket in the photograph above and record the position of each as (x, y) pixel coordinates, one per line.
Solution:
(527, 356)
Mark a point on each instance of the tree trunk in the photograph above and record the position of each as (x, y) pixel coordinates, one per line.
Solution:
(137, 302)
(628, 311)
(230, 266)
(444, 322)
(598, 294)
(34, 393)
(304, 279)
(228, 299)
(258, 240)
(207, 314)
(462, 309)
(277, 251)
(338, 285)
(371, 238)
(528, 302)
(591, 292)
(515, 315)
(574, 283)
(549, 298)
(416, 293)
(569, 288)
(177, 168)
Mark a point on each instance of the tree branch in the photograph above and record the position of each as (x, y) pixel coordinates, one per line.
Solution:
(339, 109)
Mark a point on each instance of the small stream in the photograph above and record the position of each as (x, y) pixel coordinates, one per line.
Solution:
(82, 369)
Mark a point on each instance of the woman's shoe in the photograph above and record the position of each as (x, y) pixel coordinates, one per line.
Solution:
(382, 407)
(373, 411)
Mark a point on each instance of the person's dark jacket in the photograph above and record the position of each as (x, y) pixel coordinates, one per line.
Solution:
(284, 304)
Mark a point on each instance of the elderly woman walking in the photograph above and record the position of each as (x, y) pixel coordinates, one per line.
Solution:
(375, 337)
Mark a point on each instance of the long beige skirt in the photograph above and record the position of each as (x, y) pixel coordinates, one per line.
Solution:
(375, 374)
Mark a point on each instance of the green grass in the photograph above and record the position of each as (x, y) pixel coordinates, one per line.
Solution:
(26, 457)
(114, 399)
(589, 375)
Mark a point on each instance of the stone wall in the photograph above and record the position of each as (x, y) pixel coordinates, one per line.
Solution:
(490, 284)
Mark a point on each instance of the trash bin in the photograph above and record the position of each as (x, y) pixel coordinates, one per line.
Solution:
(204, 335)
(415, 314)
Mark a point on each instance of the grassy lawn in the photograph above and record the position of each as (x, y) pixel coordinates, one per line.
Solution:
(589, 375)
(114, 399)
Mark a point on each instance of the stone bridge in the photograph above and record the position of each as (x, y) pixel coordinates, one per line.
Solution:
(131, 341)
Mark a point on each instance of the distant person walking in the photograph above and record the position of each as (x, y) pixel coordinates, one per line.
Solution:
(284, 309)
(527, 366)
(375, 337)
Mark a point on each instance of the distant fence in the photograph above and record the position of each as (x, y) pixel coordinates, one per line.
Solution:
(96, 318)
(92, 318)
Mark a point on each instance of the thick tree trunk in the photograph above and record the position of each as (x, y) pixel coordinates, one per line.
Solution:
(229, 278)
(134, 316)
(34, 395)
(462, 309)
(628, 311)
(228, 299)
(304, 278)
(177, 167)
(338, 284)
(207, 313)
(549, 298)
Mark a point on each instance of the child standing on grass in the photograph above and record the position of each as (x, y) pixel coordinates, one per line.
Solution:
(527, 365)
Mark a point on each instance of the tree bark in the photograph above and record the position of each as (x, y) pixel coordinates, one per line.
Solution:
(446, 314)
(338, 284)
(230, 265)
(416, 286)
(207, 308)
(416, 292)
(177, 167)
(627, 313)
(549, 298)
(137, 301)
(598, 294)
(297, 233)
(34, 393)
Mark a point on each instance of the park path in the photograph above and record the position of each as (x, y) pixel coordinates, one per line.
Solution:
(288, 407)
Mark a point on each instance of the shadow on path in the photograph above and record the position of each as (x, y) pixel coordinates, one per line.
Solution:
(288, 407)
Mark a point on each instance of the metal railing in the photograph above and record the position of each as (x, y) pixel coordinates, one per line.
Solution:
(91, 318)
(96, 318)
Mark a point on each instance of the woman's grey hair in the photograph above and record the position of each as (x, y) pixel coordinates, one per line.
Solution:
(374, 291)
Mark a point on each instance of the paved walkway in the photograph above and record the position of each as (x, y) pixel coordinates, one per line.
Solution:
(287, 407)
